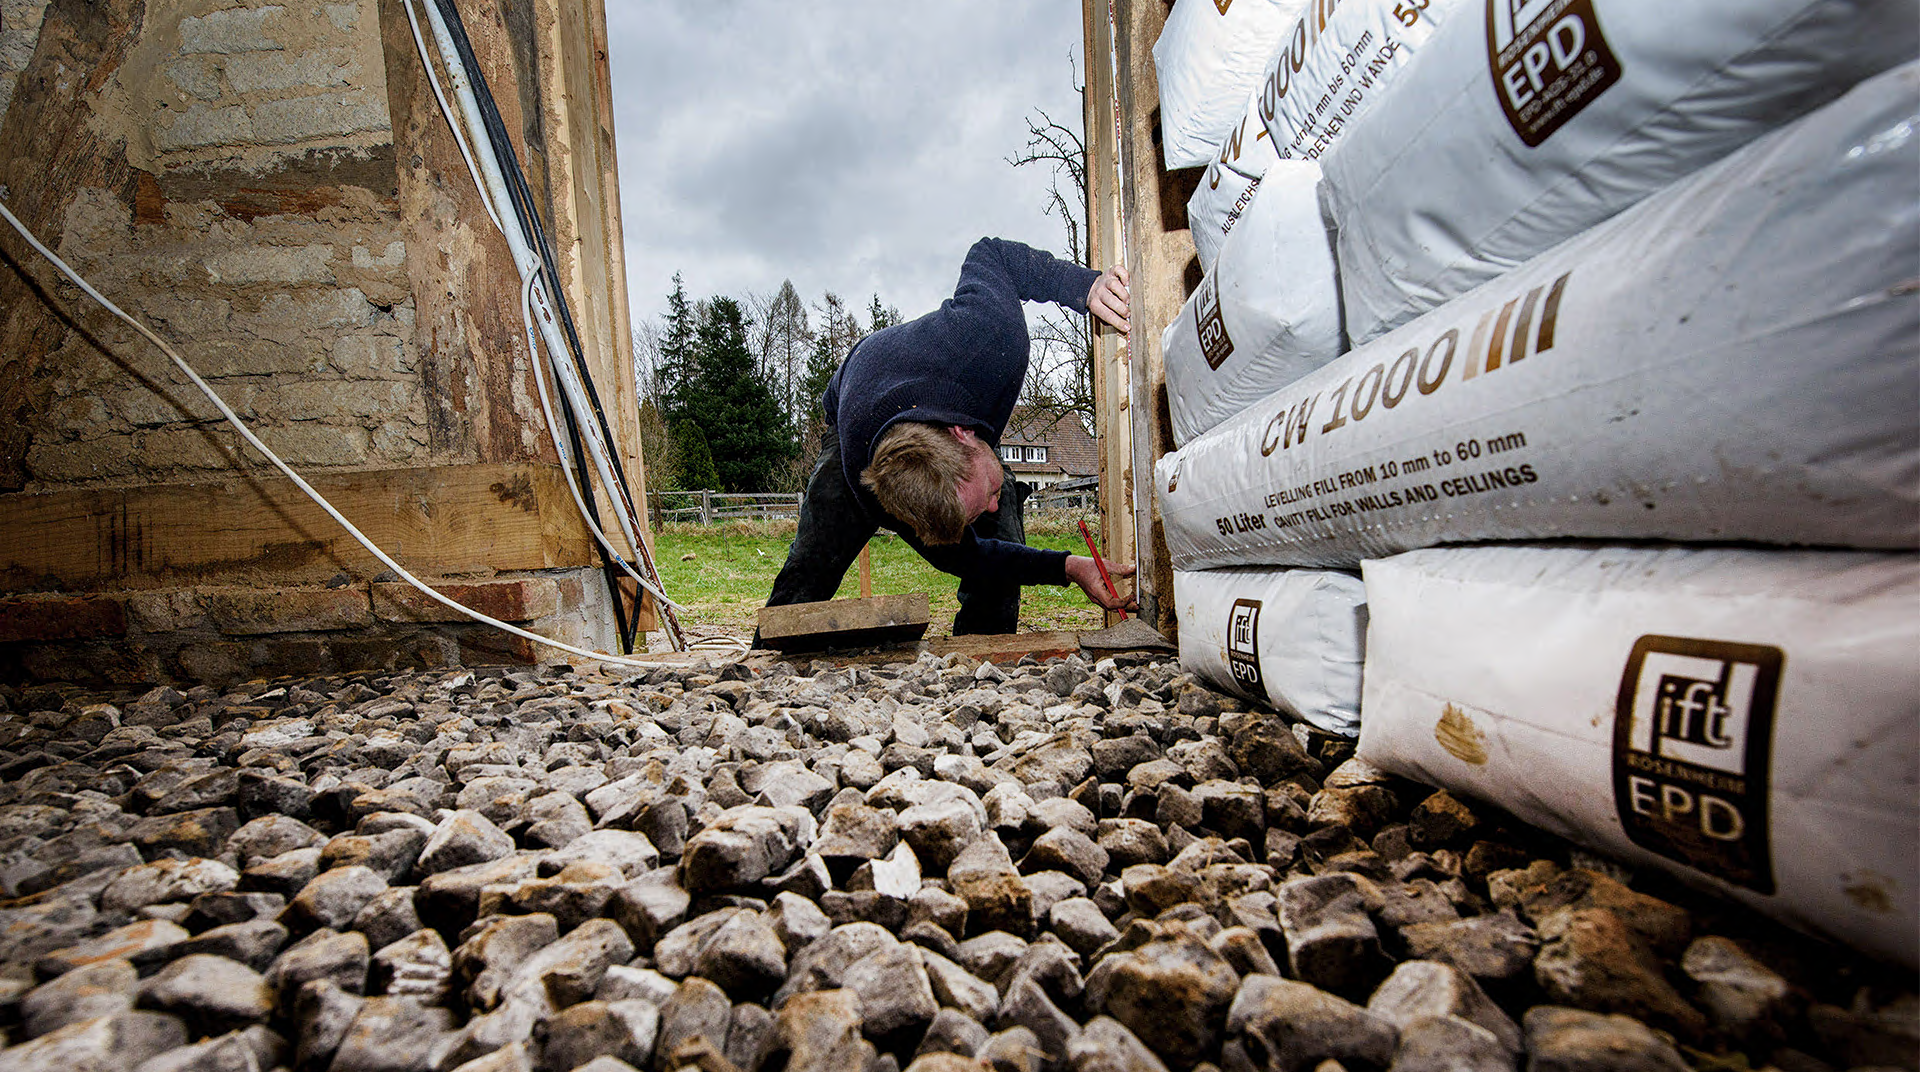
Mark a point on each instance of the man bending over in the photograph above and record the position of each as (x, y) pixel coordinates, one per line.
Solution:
(915, 417)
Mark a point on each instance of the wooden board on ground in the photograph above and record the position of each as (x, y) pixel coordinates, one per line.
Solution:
(1008, 647)
(845, 623)
(995, 648)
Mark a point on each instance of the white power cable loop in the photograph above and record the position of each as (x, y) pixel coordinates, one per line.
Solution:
(573, 485)
(254, 440)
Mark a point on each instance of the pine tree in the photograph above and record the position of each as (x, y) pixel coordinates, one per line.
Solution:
(677, 375)
(744, 423)
(697, 471)
(822, 363)
(881, 316)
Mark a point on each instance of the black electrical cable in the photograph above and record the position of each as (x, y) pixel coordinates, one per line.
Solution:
(530, 224)
(529, 218)
(527, 214)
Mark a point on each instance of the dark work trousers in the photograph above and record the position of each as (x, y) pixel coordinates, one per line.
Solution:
(834, 527)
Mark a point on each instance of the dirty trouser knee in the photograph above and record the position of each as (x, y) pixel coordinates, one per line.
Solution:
(833, 528)
(994, 606)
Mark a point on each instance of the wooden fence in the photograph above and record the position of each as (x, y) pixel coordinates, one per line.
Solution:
(710, 507)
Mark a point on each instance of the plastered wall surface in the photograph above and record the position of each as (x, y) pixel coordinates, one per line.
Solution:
(271, 187)
(19, 28)
(256, 218)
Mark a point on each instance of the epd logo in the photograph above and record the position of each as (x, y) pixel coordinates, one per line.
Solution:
(1692, 745)
(1243, 645)
(1549, 60)
(1215, 345)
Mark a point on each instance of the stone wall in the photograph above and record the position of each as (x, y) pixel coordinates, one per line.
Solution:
(271, 188)
(19, 29)
(220, 634)
(259, 230)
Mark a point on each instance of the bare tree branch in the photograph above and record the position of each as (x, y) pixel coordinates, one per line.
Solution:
(1060, 373)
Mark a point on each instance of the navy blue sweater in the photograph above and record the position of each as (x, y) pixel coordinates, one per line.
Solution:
(961, 364)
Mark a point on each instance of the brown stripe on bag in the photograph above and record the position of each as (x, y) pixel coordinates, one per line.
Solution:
(1550, 314)
(1499, 335)
(1474, 349)
(1523, 326)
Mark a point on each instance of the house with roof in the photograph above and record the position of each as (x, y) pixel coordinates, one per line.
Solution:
(1045, 450)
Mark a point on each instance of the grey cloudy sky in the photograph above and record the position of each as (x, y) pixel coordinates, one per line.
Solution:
(857, 146)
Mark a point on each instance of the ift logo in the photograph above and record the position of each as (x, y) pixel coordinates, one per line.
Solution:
(1243, 645)
(1692, 745)
(1215, 344)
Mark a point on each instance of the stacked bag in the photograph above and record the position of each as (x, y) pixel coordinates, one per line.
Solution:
(1611, 271)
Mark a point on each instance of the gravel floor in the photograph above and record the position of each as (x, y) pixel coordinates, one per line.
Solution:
(937, 865)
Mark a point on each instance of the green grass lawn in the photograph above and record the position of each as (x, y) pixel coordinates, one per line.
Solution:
(722, 574)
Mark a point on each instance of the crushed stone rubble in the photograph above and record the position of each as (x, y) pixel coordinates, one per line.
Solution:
(1094, 866)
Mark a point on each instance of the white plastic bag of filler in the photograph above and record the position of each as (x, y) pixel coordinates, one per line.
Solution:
(1328, 70)
(1227, 190)
(1525, 123)
(1208, 55)
(1746, 719)
(1735, 358)
(1291, 639)
(1267, 314)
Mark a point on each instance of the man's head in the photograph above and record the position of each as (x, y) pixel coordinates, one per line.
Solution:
(938, 478)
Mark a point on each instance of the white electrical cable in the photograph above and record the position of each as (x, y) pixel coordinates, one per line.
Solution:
(536, 310)
(459, 137)
(247, 434)
(573, 485)
(529, 276)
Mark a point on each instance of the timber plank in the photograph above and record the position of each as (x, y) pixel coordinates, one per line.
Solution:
(1106, 240)
(845, 623)
(1160, 256)
(439, 521)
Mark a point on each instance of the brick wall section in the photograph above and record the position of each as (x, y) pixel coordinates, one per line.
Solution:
(244, 195)
(260, 234)
(253, 611)
(224, 634)
(60, 617)
(509, 601)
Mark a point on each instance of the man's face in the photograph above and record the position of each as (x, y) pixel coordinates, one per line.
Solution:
(980, 491)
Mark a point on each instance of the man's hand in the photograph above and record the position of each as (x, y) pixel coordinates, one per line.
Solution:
(1108, 298)
(1084, 572)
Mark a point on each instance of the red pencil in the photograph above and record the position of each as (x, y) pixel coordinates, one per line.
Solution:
(1102, 564)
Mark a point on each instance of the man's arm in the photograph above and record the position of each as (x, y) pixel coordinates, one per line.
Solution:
(996, 559)
(975, 557)
(998, 269)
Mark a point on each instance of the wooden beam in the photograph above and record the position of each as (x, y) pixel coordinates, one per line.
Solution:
(51, 149)
(470, 519)
(614, 251)
(1106, 242)
(845, 623)
(1160, 256)
(467, 335)
(577, 96)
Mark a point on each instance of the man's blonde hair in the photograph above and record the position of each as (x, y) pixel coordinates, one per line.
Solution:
(915, 474)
